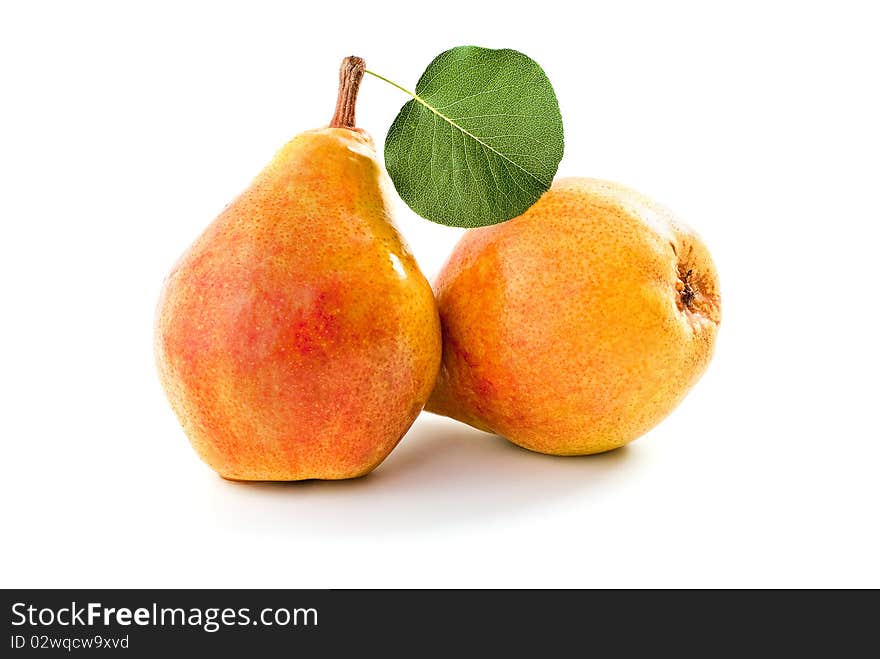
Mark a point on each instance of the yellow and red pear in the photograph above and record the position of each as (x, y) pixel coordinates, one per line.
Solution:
(297, 338)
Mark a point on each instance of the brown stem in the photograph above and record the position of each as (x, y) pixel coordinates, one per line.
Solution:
(350, 74)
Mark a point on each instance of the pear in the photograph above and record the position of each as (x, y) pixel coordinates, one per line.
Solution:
(578, 326)
(297, 338)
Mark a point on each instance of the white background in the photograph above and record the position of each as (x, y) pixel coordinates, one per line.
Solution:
(125, 128)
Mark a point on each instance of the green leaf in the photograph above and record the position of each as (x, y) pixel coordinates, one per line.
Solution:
(480, 141)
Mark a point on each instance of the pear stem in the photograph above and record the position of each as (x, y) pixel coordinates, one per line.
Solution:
(350, 75)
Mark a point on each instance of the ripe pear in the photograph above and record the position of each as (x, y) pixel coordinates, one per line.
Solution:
(578, 326)
(297, 338)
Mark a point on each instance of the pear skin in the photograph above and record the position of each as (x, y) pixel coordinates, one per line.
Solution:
(297, 338)
(578, 326)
